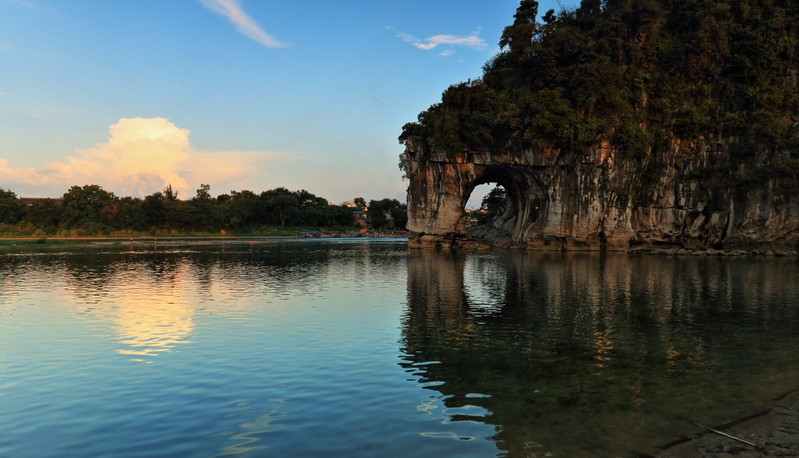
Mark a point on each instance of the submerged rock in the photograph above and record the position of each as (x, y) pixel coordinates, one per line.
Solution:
(774, 433)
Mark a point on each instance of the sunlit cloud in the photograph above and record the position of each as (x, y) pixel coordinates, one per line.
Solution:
(140, 157)
(473, 41)
(232, 170)
(11, 175)
(232, 10)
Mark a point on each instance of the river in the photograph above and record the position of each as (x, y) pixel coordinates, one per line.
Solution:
(365, 348)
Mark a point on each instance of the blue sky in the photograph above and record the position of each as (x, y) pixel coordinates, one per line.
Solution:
(239, 94)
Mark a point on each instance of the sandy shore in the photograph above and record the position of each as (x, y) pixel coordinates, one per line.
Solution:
(774, 433)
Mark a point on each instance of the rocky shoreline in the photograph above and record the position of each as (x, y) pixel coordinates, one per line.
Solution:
(773, 433)
(422, 241)
(712, 252)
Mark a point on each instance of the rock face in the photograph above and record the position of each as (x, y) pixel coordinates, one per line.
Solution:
(679, 199)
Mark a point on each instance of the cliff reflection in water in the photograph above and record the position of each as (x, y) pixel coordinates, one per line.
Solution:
(583, 354)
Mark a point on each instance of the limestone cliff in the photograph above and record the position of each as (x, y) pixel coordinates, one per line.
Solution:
(596, 200)
(619, 125)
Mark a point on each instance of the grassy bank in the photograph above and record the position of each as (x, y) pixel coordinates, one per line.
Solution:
(261, 233)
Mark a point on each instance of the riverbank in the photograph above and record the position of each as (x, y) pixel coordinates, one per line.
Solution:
(773, 433)
(149, 240)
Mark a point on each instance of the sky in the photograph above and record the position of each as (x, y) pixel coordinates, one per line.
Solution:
(135, 95)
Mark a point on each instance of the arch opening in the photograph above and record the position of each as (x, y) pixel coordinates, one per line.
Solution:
(495, 215)
(499, 207)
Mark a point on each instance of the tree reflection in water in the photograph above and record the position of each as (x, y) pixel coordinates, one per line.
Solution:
(581, 354)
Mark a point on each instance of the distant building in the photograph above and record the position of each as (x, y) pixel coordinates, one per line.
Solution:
(31, 201)
(473, 217)
(361, 218)
(389, 220)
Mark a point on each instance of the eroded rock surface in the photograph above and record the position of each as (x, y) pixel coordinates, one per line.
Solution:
(593, 200)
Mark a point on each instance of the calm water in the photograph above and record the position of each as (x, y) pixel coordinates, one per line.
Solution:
(363, 348)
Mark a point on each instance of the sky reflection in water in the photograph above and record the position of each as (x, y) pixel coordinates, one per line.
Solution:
(359, 348)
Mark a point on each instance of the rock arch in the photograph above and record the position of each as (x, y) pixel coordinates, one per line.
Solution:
(441, 184)
(525, 193)
(595, 200)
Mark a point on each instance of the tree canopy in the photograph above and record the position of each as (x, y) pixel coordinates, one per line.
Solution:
(636, 74)
(91, 210)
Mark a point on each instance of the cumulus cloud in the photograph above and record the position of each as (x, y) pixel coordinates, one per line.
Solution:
(141, 156)
(473, 41)
(24, 175)
(232, 10)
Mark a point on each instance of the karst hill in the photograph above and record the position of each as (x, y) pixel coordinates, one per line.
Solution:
(621, 124)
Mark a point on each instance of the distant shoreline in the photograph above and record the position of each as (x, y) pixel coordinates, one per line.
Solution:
(179, 240)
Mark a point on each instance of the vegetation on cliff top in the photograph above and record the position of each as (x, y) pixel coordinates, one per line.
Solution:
(636, 74)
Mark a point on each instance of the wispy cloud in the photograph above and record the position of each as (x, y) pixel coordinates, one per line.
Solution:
(27, 4)
(232, 10)
(141, 156)
(473, 41)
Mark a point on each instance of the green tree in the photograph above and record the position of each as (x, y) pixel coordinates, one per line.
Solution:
(360, 203)
(286, 207)
(127, 213)
(45, 214)
(204, 193)
(381, 210)
(400, 216)
(282, 204)
(154, 208)
(203, 209)
(244, 208)
(313, 209)
(83, 205)
(493, 204)
(340, 215)
(634, 74)
(518, 37)
(10, 207)
(170, 194)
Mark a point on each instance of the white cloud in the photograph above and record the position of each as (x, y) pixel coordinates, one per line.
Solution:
(473, 41)
(407, 38)
(36, 6)
(226, 170)
(142, 156)
(243, 22)
(9, 175)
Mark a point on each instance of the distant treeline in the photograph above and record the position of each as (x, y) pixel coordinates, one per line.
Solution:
(91, 210)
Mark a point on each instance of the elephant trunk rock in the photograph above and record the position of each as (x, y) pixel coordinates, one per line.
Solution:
(597, 200)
